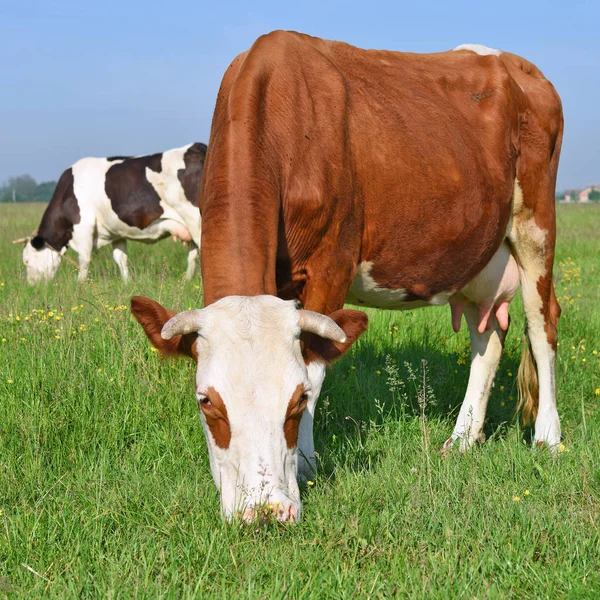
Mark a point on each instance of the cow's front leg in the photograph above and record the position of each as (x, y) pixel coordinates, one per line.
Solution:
(486, 350)
(84, 251)
(120, 257)
(306, 444)
(325, 296)
(192, 259)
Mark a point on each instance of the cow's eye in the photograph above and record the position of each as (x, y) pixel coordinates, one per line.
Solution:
(202, 400)
(303, 399)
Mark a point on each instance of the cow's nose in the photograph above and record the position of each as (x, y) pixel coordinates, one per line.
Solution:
(284, 512)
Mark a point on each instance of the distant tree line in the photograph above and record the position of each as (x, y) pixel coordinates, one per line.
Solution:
(25, 188)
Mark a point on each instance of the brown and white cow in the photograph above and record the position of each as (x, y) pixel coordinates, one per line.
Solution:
(387, 179)
(99, 201)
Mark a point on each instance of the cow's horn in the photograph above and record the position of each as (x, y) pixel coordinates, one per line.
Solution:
(22, 240)
(182, 323)
(320, 325)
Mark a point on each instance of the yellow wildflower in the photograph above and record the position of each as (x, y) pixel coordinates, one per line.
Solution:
(597, 391)
(526, 492)
(378, 372)
(4, 340)
(594, 352)
(9, 381)
(517, 499)
(17, 318)
(310, 483)
(501, 388)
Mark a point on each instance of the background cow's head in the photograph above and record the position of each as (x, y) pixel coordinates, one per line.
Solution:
(41, 262)
(253, 383)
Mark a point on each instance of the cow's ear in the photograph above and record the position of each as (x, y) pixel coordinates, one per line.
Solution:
(353, 322)
(152, 316)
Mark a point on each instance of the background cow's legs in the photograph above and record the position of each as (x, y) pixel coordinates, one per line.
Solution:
(120, 257)
(84, 247)
(192, 259)
(486, 350)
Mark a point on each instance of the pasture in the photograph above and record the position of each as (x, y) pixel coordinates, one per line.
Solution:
(105, 489)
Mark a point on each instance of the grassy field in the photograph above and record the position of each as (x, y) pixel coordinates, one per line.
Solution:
(105, 489)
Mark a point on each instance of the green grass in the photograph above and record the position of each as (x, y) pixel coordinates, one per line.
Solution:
(105, 489)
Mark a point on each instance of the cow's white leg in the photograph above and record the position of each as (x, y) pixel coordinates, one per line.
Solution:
(486, 350)
(534, 246)
(547, 422)
(120, 257)
(192, 259)
(84, 244)
(306, 444)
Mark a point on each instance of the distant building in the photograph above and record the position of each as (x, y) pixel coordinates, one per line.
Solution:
(581, 196)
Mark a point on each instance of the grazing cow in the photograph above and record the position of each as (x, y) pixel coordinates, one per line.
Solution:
(386, 179)
(98, 201)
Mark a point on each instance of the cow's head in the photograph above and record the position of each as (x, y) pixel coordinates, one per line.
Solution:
(42, 262)
(253, 382)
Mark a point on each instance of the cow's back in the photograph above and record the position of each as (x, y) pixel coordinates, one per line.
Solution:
(401, 162)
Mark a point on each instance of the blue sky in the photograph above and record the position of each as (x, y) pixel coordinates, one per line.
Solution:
(133, 77)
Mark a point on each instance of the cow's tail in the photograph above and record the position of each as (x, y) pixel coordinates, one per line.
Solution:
(527, 383)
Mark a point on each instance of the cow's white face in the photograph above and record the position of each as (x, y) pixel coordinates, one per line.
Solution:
(42, 264)
(252, 386)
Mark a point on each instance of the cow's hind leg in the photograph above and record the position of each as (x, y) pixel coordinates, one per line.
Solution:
(192, 259)
(120, 257)
(534, 246)
(486, 351)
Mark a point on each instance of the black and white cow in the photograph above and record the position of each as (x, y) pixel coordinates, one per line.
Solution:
(100, 201)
